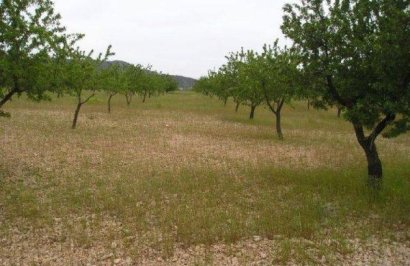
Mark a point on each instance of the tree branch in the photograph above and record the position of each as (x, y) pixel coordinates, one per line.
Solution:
(381, 126)
(281, 103)
(89, 97)
(272, 108)
(335, 93)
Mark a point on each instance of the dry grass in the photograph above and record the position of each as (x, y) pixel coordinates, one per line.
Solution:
(187, 180)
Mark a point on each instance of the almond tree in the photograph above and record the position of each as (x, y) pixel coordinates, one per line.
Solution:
(230, 82)
(216, 84)
(32, 45)
(154, 84)
(277, 72)
(134, 80)
(83, 77)
(169, 84)
(247, 86)
(113, 80)
(359, 51)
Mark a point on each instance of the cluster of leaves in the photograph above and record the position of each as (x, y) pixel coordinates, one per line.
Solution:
(271, 77)
(33, 44)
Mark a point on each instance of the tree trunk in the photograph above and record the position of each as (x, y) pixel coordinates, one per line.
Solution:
(339, 111)
(279, 125)
(77, 111)
(145, 96)
(128, 97)
(374, 165)
(308, 104)
(225, 101)
(237, 106)
(252, 114)
(109, 103)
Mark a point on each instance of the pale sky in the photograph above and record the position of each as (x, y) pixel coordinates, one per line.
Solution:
(184, 37)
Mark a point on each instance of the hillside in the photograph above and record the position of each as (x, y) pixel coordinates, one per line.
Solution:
(184, 83)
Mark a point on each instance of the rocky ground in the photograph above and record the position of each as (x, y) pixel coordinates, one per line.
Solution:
(40, 249)
(183, 180)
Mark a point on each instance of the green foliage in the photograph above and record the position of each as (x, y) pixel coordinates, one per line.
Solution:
(83, 72)
(170, 84)
(32, 45)
(135, 79)
(272, 77)
(358, 53)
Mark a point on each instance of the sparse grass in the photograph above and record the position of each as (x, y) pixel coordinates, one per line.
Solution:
(182, 170)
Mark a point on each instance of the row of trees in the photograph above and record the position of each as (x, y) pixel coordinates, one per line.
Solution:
(38, 58)
(131, 80)
(352, 54)
(252, 79)
(88, 76)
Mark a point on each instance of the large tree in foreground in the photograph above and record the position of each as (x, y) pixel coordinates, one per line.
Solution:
(32, 46)
(360, 51)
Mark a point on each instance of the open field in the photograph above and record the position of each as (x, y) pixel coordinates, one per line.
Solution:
(182, 179)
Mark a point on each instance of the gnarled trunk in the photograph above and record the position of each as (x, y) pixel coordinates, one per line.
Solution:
(279, 125)
(339, 111)
(237, 106)
(7, 97)
(79, 104)
(374, 165)
(77, 111)
(109, 103)
(128, 97)
(252, 114)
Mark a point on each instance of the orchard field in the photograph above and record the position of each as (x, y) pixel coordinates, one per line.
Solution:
(183, 179)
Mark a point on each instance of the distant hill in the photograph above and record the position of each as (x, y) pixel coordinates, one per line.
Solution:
(184, 83)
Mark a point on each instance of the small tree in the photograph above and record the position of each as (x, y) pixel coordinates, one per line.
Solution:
(170, 84)
(230, 82)
(147, 84)
(83, 73)
(113, 80)
(133, 80)
(246, 87)
(359, 50)
(277, 71)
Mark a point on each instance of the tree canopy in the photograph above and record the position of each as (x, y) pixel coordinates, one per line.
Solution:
(358, 54)
(33, 44)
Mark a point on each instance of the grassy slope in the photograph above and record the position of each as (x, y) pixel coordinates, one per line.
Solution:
(183, 169)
